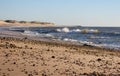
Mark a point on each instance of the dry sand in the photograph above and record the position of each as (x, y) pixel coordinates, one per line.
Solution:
(23, 57)
(2, 23)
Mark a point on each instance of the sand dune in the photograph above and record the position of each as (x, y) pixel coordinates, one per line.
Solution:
(3, 23)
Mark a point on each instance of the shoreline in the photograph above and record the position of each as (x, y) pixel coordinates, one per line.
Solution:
(16, 34)
(59, 43)
(23, 56)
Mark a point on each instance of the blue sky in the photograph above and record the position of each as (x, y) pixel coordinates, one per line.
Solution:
(67, 12)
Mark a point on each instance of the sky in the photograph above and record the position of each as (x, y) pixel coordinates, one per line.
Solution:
(63, 12)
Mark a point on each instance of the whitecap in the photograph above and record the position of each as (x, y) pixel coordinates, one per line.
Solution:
(76, 30)
(65, 30)
(31, 33)
(71, 40)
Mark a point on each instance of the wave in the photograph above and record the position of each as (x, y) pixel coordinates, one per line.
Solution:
(116, 33)
(36, 34)
(98, 37)
(111, 46)
(71, 40)
(31, 33)
(63, 30)
(67, 30)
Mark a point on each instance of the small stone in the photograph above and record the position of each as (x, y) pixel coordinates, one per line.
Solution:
(25, 38)
(44, 74)
(31, 48)
(26, 46)
(33, 64)
(53, 56)
(36, 73)
(48, 49)
(99, 59)
(14, 63)
(6, 55)
(30, 75)
(66, 50)
(119, 63)
(26, 72)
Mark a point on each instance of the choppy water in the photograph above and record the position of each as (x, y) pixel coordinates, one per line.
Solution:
(99, 36)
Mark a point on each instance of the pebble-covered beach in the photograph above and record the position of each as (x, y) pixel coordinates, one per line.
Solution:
(24, 57)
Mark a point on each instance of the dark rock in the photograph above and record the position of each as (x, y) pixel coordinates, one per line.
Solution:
(99, 59)
(30, 75)
(12, 46)
(48, 49)
(87, 45)
(31, 48)
(6, 55)
(14, 63)
(26, 46)
(25, 38)
(44, 74)
(33, 65)
(53, 56)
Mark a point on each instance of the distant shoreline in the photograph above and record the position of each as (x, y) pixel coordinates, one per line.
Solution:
(24, 23)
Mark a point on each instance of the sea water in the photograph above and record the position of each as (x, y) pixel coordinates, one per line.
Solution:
(108, 37)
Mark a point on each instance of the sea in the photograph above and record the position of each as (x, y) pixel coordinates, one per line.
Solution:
(107, 37)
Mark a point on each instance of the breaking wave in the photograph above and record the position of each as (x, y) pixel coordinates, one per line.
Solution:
(67, 30)
(103, 37)
(31, 33)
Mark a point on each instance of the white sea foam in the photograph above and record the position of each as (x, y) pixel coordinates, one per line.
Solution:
(116, 32)
(67, 30)
(111, 46)
(31, 33)
(71, 40)
(76, 30)
(86, 42)
(63, 30)
(98, 37)
(82, 42)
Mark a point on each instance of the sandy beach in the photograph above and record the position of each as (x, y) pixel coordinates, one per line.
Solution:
(59, 37)
(27, 57)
